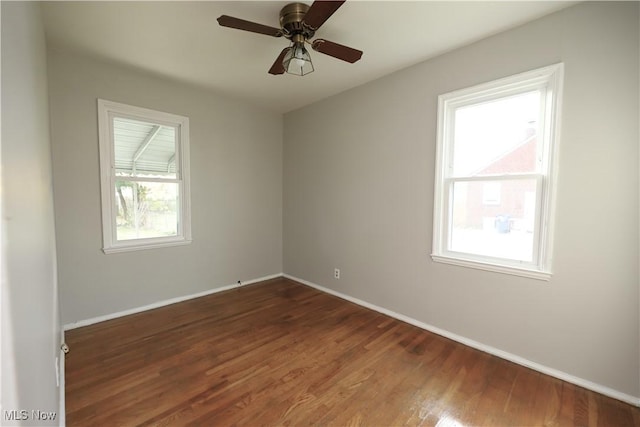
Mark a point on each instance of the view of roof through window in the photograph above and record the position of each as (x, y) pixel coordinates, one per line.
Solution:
(486, 132)
(144, 149)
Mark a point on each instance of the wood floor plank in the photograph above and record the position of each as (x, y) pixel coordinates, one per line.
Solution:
(281, 353)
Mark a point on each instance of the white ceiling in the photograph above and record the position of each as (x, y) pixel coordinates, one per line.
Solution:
(182, 40)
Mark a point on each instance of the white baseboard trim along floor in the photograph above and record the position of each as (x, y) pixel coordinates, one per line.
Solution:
(159, 304)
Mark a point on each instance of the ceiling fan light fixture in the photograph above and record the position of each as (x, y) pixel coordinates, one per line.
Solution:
(298, 23)
(297, 60)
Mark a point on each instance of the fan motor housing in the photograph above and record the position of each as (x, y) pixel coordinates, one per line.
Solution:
(291, 17)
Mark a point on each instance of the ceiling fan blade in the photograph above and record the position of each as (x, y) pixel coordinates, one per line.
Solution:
(320, 11)
(277, 67)
(241, 24)
(336, 50)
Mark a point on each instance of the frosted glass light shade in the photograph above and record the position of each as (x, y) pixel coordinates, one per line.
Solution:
(297, 60)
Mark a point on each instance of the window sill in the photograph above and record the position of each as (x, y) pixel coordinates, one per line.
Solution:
(143, 246)
(503, 269)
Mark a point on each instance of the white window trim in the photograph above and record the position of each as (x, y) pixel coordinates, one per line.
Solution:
(551, 78)
(108, 109)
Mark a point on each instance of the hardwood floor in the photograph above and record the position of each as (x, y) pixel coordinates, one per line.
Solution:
(280, 353)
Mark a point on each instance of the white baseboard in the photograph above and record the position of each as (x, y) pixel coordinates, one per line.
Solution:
(598, 388)
(158, 304)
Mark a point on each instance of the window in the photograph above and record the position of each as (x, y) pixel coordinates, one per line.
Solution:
(144, 166)
(491, 191)
(495, 174)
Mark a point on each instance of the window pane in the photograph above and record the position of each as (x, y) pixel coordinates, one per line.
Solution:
(144, 149)
(497, 137)
(491, 192)
(502, 229)
(146, 209)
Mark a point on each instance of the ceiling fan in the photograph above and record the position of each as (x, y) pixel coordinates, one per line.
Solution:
(298, 23)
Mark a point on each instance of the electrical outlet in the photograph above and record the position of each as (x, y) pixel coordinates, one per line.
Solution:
(336, 273)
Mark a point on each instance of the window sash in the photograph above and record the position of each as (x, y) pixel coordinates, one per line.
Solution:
(143, 179)
(157, 121)
(179, 216)
(449, 108)
(446, 231)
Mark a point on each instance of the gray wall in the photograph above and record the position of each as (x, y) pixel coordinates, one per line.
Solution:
(30, 319)
(236, 191)
(358, 195)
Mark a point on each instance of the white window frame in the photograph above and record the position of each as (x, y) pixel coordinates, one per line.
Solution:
(107, 110)
(549, 81)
